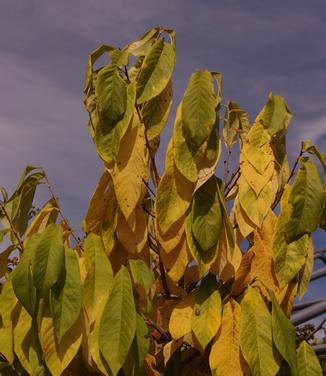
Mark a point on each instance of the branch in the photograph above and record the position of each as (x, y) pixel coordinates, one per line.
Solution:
(164, 336)
(232, 185)
(80, 248)
(277, 199)
(320, 326)
(12, 227)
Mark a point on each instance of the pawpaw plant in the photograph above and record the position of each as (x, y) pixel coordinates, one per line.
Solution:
(187, 273)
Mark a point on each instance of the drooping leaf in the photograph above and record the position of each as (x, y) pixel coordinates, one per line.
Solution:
(99, 275)
(156, 70)
(66, 296)
(22, 279)
(275, 115)
(306, 271)
(111, 91)
(284, 336)
(307, 199)
(235, 121)
(288, 258)
(131, 169)
(57, 356)
(108, 136)
(206, 215)
(118, 322)
(308, 363)
(198, 107)
(48, 262)
(206, 317)
(156, 111)
(26, 343)
(181, 317)
(256, 335)
(141, 274)
(141, 46)
(225, 357)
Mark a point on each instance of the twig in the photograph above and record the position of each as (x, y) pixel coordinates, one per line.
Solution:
(147, 211)
(232, 177)
(232, 185)
(165, 336)
(277, 199)
(320, 326)
(80, 248)
(226, 166)
(12, 227)
(148, 187)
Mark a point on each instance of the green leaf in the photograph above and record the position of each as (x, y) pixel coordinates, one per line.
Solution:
(288, 258)
(118, 323)
(236, 120)
(141, 274)
(207, 215)
(308, 364)
(156, 71)
(108, 136)
(99, 276)
(306, 271)
(48, 261)
(22, 279)
(198, 107)
(184, 158)
(66, 296)
(206, 317)
(307, 199)
(111, 91)
(141, 46)
(275, 115)
(156, 111)
(284, 335)
(256, 335)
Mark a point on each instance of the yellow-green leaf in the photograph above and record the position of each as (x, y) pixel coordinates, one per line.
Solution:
(156, 71)
(66, 296)
(111, 91)
(206, 317)
(306, 271)
(308, 363)
(99, 275)
(225, 358)
(256, 335)
(307, 199)
(198, 107)
(118, 322)
(48, 262)
(181, 317)
(284, 335)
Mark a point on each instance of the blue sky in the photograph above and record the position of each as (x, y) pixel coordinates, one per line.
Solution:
(259, 46)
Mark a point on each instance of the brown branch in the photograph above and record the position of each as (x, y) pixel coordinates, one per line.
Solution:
(164, 336)
(232, 185)
(80, 248)
(148, 187)
(226, 166)
(232, 177)
(12, 227)
(319, 327)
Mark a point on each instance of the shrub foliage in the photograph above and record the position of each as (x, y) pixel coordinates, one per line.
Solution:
(186, 273)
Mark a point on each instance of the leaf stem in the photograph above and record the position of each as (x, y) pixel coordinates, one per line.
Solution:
(80, 248)
(12, 227)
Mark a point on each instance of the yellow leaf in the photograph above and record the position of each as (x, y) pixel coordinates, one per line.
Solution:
(242, 276)
(133, 241)
(175, 262)
(225, 358)
(255, 180)
(307, 269)
(109, 221)
(180, 320)
(26, 342)
(58, 356)
(96, 207)
(131, 168)
(173, 236)
(256, 335)
(246, 226)
(173, 198)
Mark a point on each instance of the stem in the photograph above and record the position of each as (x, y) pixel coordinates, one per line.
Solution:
(277, 199)
(232, 177)
(226, 166)
(165, 336)
(80, 248)
(232, 185)
(12, 227)
(320, 326)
